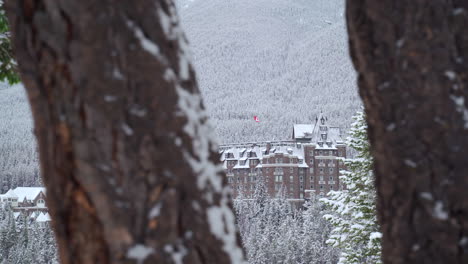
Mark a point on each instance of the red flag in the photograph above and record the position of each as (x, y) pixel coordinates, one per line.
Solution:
(256, 119)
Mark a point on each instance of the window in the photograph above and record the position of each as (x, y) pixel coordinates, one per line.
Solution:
(320, 152)
(331, 170)
(267, 170)
(311, 170)
(331, 178)
(302, 187)
(300, 161)
(291, 170)
(279, 170)
(311, 178)
(301, 178)
(291, 187)
(312, 186)
(321, 177)
(311, 153)
(311, 161)
(321, 170)
(238, 179)
(278, 178)
(321, 187)
(340, 153)
(330, 153)
(291, 178)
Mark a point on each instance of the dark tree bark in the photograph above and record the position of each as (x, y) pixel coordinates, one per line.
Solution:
(412, 63)
(131, 171)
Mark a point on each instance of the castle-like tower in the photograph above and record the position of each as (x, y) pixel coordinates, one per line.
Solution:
(308, 164)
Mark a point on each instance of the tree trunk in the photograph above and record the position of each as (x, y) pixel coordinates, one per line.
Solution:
(127, 156)
(412, 62)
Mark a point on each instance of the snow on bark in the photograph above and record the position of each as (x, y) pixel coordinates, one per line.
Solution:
(145, 43)
(220, 217)
(139, 253)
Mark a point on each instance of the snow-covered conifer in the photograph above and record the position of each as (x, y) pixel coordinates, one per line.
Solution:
(356, 229)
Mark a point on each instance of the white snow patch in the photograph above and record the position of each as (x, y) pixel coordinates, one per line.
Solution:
(460, 105)
(137, 110)
(145, 43)
(177, 255)
(110, 98)
(188, 235)
(139, 252)
(391, 127)
(383, 85)
(458, 11)
(221, 221)
(375, 235)
(439, 211)
(458, 100)
(196, 206)
(127, 129)
(426, 196)
(103, 167)
(410, 163)
(463, 241)
(400, 43)
(155, 211)
(117, 74)
(171, 27)
(451, 75)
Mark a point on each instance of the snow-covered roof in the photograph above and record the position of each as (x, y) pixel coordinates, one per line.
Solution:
(302, 131)
(16, 214)
(43, 217)
(10, 194)
(28, 193)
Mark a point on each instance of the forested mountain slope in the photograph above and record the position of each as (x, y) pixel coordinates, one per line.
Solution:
(18, 154)
(281, 60)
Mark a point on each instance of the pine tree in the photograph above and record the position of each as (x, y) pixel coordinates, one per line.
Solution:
(8, 69)
(356, 229)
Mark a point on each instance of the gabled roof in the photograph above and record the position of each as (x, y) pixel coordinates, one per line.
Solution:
(30, 193)
(10, 194)
(302, 131)
(43, 217)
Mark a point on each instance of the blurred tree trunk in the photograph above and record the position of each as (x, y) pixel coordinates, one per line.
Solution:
(412, 62)
(127, 156)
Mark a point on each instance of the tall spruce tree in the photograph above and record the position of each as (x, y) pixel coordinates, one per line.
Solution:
(8, 69)
(356, 229)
